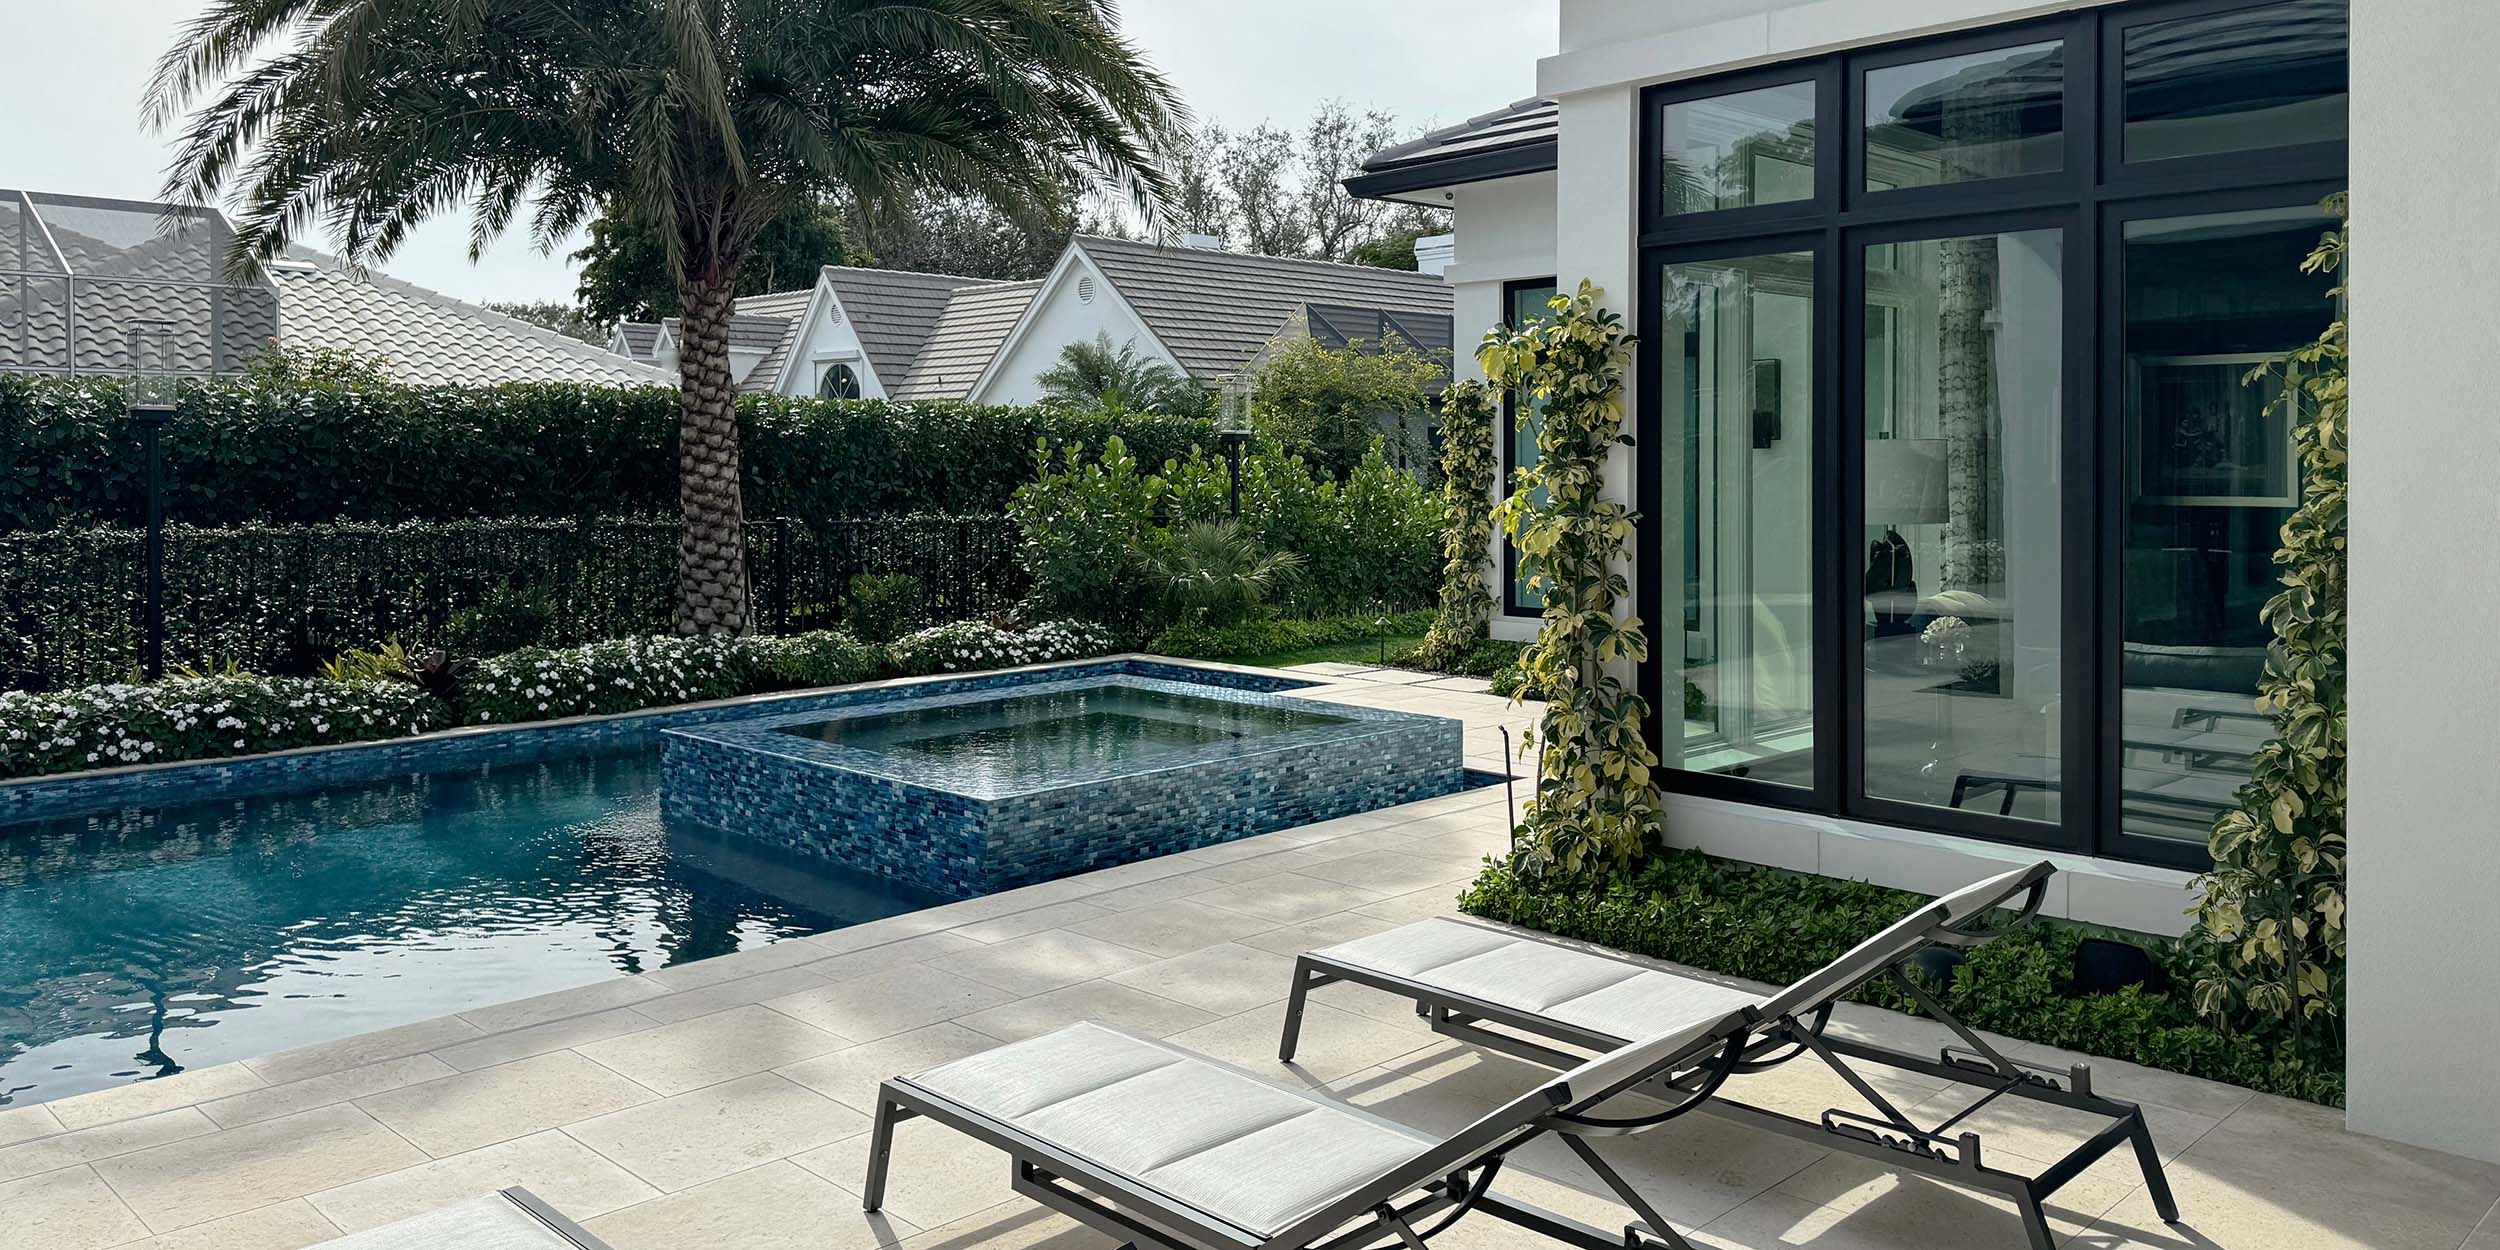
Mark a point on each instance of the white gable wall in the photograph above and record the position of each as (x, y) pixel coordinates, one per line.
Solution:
(827, 338)
(1060, 316)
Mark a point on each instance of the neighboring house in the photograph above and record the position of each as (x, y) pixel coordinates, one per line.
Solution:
(884, 334)
(77, 273)
(1957, 514)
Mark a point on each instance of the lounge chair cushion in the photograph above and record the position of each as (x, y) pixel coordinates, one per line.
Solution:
(1607, 995)
(1234, 1147)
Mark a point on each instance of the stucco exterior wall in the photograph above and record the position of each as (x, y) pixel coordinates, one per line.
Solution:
(2424, 814)
(1505, 234)
(826, 340)
(1061, 315)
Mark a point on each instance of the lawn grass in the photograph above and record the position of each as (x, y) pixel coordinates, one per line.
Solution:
(1363, 651)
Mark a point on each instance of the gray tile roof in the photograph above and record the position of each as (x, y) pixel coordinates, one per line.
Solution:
(640, 337)
(968, 334)
(1520, 138)
(746, 332)
(433, 339)
(1216, 310)
(894, 312)
(789, 307)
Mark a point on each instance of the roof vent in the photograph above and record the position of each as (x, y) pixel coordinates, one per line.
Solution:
(1085, 289)
(1203, 242)
(833, 314)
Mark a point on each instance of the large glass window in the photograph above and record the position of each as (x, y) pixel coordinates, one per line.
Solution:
(2228, 82)
(1993, 114)
(1528, 301)
(1737, 150)
(1962, 673)
(2214, 302)
(1737, 366)
(1904, 633)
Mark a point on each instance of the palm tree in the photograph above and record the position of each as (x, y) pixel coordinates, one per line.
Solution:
(1214, 573)
(705, 118)
(1121, 379)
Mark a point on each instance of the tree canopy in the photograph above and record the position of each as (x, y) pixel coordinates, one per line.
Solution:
(625, 273)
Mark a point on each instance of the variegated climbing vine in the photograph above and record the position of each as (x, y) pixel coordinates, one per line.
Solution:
(1467, 470)
(1594, 804)
(2273, 907)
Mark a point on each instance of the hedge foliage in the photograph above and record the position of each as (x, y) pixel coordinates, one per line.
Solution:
(283, 599)
(1773, 926)
(194, 718)
(1259, 638)
(240, 452)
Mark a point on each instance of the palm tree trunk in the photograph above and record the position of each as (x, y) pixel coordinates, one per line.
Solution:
(711, 530)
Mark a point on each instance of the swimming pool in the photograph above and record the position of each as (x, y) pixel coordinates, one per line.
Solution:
(139, 942)
(163, 918)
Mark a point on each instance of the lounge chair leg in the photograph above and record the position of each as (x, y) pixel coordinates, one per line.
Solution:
(2156, 1180)
(880, 1152)
(1303, 980)
(2035, 1222)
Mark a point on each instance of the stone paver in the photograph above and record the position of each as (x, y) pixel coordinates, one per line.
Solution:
(724, 1103)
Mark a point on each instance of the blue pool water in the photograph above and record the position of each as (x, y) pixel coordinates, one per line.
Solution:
(139, 942)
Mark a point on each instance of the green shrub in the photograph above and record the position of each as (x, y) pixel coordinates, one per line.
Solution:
(827, 657)
(1774, 926)
(1485, 659)
(1213, 573)
(968, 646)
(510, 618)
(1082, 522)
(316, 451)
(202, 718)
(1329, 405)
(1256, 638)
(882, 607)
(624, 675)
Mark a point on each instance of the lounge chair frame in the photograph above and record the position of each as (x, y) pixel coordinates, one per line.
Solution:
(1890, 1137)
(1148, 1220)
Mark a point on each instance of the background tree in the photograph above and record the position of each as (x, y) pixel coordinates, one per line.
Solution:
(1280, 192)
(706, 120)
(934, 232)
(556, 315)
(625, 274)
(1257, 169)
(1121, 379)
(1327, 405)
(1334, 147)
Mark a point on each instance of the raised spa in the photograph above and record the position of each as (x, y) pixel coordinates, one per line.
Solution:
(970, 792)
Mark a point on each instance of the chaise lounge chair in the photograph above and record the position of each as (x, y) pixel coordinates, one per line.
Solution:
(1162, 1149)
(1543, 1000)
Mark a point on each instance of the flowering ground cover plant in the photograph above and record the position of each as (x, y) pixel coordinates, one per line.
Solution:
(539, 683)
(198, 718)
(968, 645)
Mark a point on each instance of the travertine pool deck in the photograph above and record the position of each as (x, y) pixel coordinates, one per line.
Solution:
(723, 1105)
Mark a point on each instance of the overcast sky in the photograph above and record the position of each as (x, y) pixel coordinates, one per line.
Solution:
(71, 72)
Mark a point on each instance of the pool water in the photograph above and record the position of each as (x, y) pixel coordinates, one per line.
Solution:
(141, 942)
(1022, 741)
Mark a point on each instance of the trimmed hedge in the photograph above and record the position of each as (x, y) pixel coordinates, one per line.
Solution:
(198, 718)
(241, 453)
(1189, 642)
(283, 599)
(1774, 926)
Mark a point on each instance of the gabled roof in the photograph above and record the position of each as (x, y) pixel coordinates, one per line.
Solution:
(431, 338)
(1215, 310)
(1507, 142)
(894, 312)
(976, 321)
(790, 307)
(638, 337)
(746, 333)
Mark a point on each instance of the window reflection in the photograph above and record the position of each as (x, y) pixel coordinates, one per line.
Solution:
(1961, 673)
(1738, 365)
(1993, 114)
(1738, 150)
(2211, 477)
(2226, 82)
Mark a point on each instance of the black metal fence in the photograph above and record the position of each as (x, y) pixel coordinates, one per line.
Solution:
(282, 599)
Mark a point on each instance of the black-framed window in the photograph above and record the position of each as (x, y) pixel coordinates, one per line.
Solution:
(1950, 470)
(840, 381)
(1523, 301)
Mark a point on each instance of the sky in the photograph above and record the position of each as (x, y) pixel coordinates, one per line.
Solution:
(72, 72)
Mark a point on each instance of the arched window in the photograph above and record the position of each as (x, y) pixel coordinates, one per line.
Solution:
(840, 382)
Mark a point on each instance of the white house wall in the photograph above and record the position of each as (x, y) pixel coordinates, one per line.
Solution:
(825, 339)
(2425, 992)
(1058, 317)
